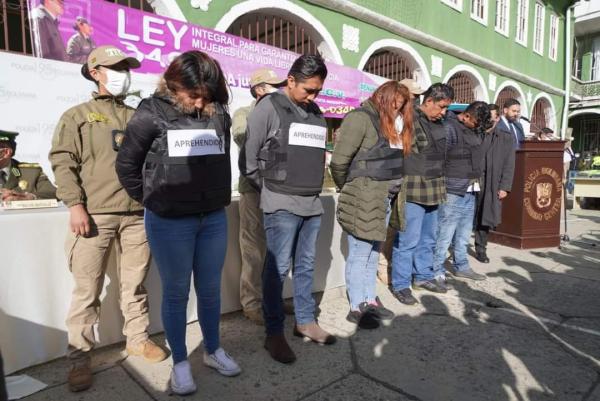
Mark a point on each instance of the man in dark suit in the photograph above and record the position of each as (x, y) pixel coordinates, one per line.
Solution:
(509, 121)
(496, 181)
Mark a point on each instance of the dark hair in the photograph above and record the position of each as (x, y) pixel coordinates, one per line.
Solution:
(511, 102)
(255, 87)
(308, 66)
(481, 112)
(78, 22)
(384, 98)
(438, 92)
(493, 107)
(195, 70)
(10, 144)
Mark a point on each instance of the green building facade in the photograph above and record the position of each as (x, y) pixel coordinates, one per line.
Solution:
(584, 108)
(486, 49)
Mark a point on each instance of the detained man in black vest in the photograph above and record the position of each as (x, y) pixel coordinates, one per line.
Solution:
(284, 155)
(422, 191)
(463, 170)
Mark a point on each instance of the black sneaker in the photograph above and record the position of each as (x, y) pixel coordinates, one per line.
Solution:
(430, 285)
(381, 311)
(365, 317)
(405, 296)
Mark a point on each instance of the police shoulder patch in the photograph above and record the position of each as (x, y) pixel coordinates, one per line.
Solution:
(96, 117)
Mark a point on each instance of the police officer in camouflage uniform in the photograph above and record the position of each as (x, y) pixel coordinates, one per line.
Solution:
(21, 181)
(83, 155)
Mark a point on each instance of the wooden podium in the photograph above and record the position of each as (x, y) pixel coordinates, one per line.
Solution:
(531, 212)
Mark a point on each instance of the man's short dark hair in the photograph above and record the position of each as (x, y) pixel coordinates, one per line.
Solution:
(511, 102)
(255, 87)
(438, 92)
(493, 107)
(308, 66)
(9, 145)
(481, 112)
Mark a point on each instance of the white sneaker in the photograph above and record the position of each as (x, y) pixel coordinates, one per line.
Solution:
(182, 382)
(222, 362)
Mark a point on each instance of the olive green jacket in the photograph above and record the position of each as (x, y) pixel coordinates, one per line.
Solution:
(238, 130)
(29, 177)
(83, 156)
(363, 202)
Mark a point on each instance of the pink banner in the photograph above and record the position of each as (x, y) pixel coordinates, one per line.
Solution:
(69, 32)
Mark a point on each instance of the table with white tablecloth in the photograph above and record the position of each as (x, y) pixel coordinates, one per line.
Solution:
(35, 284)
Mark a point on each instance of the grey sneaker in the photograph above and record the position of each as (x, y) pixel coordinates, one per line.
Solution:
(470, 274)
(431, 285)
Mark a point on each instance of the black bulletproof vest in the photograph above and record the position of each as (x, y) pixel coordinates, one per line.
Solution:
(429, 162)
(294, 169)
(380, 162)
(464, 159)
(187, 184)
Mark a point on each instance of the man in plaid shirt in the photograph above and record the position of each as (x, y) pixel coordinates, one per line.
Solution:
(424, 188)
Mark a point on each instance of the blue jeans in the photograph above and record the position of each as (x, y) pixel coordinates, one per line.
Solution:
(182, 247)
(455, 222)
(290, 239)
(413, 248)
(361, 270)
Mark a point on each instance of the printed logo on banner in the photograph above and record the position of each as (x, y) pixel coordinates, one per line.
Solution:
(156, 40)
(194, 142)
(307, 135)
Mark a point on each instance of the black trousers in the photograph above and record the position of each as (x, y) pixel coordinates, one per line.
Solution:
(480, 231)
(3, 393)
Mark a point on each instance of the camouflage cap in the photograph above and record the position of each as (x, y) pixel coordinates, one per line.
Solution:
(266, 76)
(110, 55)
(8, 136)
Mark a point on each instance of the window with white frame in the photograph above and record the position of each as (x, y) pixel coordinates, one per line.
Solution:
(456, 4)
(479, 11)
(502, 16)
(553, 44)
(522, 17)
(538, 28)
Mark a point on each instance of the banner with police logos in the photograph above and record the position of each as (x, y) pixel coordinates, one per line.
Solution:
(69, 30)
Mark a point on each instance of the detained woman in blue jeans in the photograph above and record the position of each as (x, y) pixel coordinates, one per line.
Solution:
(175, 159)
(367, 167)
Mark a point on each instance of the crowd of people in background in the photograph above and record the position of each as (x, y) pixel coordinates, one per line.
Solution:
(414, 180)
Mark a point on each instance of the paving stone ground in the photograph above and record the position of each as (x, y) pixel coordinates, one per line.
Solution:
(531, 331)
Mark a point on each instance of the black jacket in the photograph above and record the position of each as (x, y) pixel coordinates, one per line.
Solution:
(498, 170)
(169, 185)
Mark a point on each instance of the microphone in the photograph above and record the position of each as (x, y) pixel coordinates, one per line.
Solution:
(526, 119)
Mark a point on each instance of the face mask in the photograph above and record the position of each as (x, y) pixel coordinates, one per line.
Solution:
(399, 124)
(117, 82)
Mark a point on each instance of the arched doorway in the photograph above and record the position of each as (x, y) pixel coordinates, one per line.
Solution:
(282, 24)
(393, 59)
(277, 31)
(464, 91)
(542, 115)
(506, 93)
(390, 64)
(468, 84)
